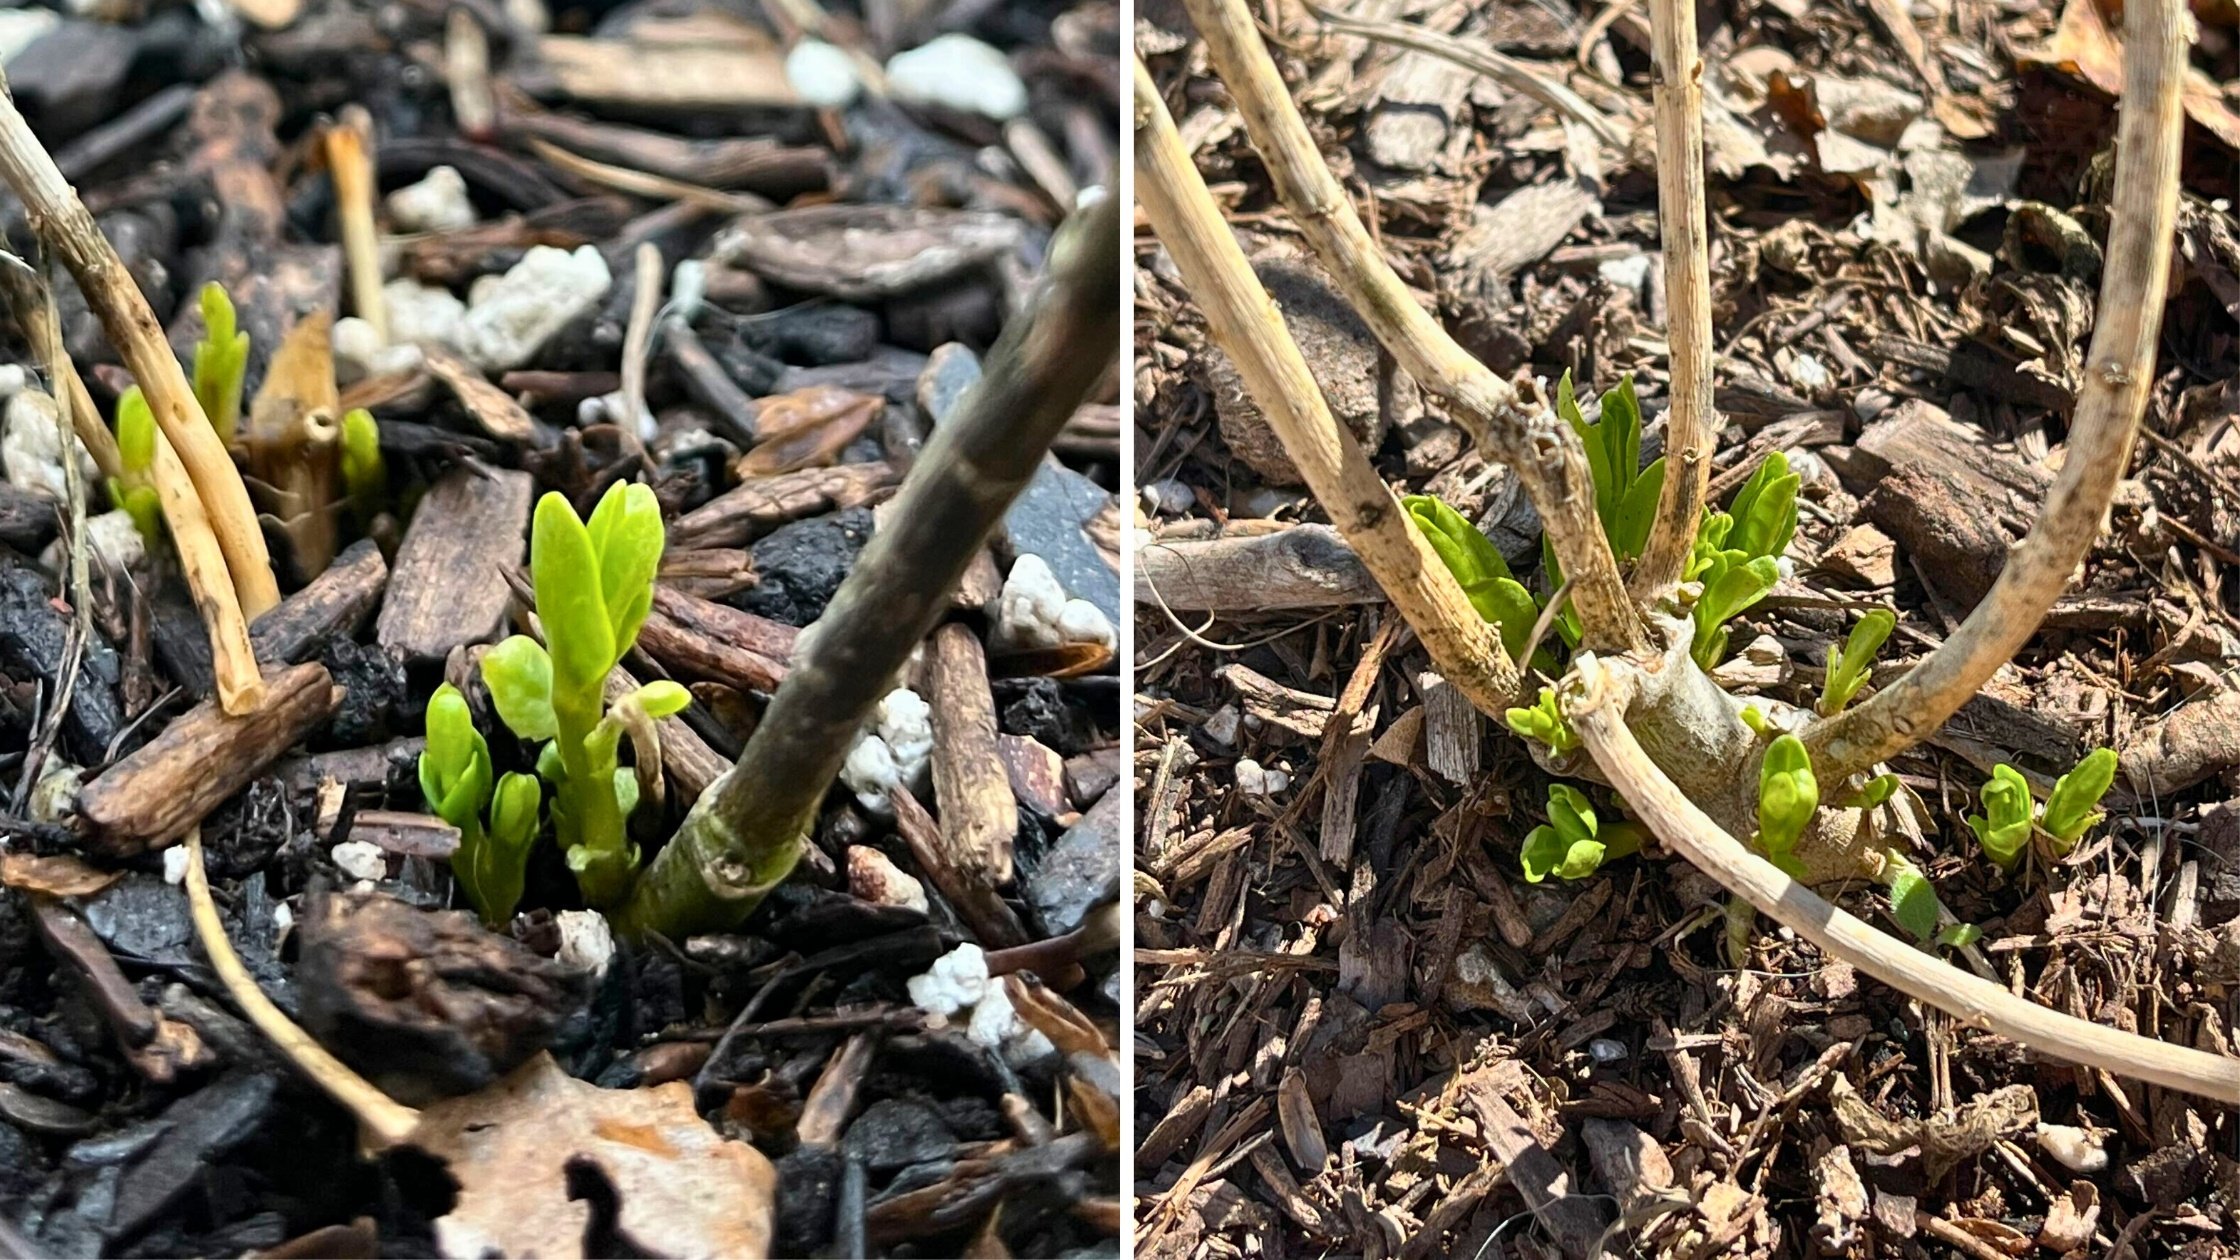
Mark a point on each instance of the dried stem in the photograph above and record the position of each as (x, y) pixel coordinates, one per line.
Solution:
(233, 663)
(637, 339)
(1546, 455)
(1245, 323)
(2119, 371)
(349, 146)
(1595, 701)
(1691, 430)
(63, 223)
(745, 832)
(385, 1120)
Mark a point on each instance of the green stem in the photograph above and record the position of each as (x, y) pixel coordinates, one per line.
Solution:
(745, 832)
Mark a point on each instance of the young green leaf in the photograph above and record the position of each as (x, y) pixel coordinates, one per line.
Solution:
(492, 871)
(221, 361)
(1727, 592)
(1788, 795)
(1478, 567)
(1637, 513)
(518, 673)
(1912, 901)
(1959, 935)
(136, 431)
(2074, 804)
(363, 473)
(1878, 790)
(1547, 852)
(566, 572)
(1848, 669)
(663, 698)
(1573, 844)
(626, 533)
(455, 764)
(1765, 509)
(1544, 721)
(2003, 828)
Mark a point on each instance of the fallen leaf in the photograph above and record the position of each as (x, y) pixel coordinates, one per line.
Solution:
(59, 876)
(677, 1187)
(2071, 1220)
(2086, 46)
(1944, 1141)
(807, 428)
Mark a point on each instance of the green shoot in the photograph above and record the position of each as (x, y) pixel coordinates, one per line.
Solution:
(1625, 494)
(1544, 721)
(1572, 844)
(492, 860)
(594, 586)
(1738, 552)
(1913, 902)
(1848, 668)
(2003, 828)
(364, 476)
(1788, 796)
(1959, 935)
(221, 362)
(135, 491)
(1478, 565)
(2074, 804)
(1878, 790)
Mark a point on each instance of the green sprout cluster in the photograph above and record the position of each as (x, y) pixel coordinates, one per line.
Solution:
(594, 585)
(2010, 818)
(1788, 797)
(1573, 843)
(1848, 669)
(134, 490)
(1737, 555)
(493, 856)
(221, 362)
(1478, 565)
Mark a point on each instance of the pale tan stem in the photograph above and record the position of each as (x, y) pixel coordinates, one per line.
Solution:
(1595, 701)
(1691, 428)
(637, 338)
(1244, 322)
(63, 223)
(1545, 453)
(387, 1121)
(350, 160)
(2119, 370)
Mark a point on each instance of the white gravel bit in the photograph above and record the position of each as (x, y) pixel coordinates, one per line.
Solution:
(14, 377)
(893, 753)
(512, 316)
(175, 865)
(1222, 728)
(360, 859)
(1035, 612)
(825, 76)
(438, 203)
(21, 28)
(1631, 273)
(959, 982)
(423, 315)
(1083, 622)
(1254, 779)
(688, 289)
(586, 942)
(960, 73)
(31, 447)
(113, 542)
(2078, 1150)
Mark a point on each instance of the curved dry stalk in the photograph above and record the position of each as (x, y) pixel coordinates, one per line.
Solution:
(385, 1120)
(1245, 323)
(1691, 429)
(2118, 373)
(1545, 453)
(66, 227)
(1595, 702)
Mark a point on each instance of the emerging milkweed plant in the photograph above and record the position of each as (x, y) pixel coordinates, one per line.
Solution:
(594, 585)
(497, 822)
(221, 362)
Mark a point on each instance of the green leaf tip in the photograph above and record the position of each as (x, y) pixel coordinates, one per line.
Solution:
(1849, 667)
(221, 362)
(2073, 807)
(2003, 828)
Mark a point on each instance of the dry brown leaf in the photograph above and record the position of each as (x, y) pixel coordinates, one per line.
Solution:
(2085, 45)
(1944, 1141)
(679, 1189)
(2070, 1221)
(59, 876)
(807, 428)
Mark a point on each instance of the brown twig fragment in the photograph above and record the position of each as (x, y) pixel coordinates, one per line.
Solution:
(386, 1121)
(637, 339)
(1595, 702)
(1244, 321)
(349, 145)
(1690, 429)
(2119, 370)
(63, 223)
(1545, 453)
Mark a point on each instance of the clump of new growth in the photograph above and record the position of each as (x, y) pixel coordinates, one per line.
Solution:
(455, 778)
(1573, 843)
(221, 362)
(1848, 668)
(1737, 555)
(134, 490)
(594, 585)
(1479, 566)
(2010, 818)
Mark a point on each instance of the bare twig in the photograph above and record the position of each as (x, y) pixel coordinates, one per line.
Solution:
(744, 834)
(386, 1121)
(1595, 702)
(1245, 323)
(637, 338)
(1543, 450)
(349, 144)
(2119, 372)
(1690, 430)
(63, 223)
